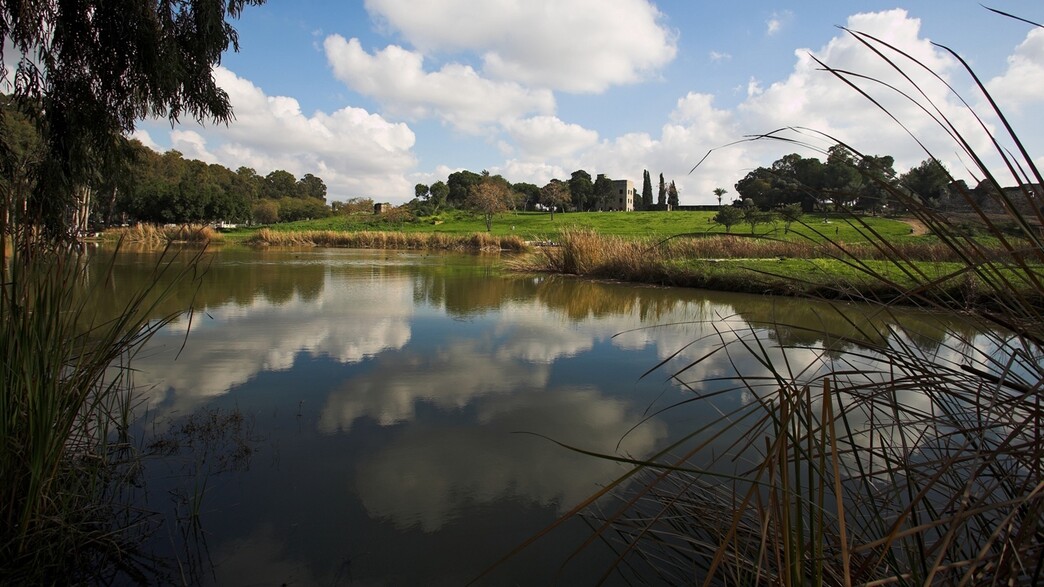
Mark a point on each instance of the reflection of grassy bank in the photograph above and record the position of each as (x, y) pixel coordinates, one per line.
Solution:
(726, 263)
(388, 240)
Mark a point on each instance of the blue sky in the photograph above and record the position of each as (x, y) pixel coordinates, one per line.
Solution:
(375, 96)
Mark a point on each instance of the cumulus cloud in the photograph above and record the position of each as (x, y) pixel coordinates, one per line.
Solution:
(1019, 86)
(456, 93)
(540, 137)
(570, 45)
(356, 153)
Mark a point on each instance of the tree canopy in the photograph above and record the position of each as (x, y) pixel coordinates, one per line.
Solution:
(489, 197)
(87, 71)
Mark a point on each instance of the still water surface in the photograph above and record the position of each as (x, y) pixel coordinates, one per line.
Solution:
(372, 411)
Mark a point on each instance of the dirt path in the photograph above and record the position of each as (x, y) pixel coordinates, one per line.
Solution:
(917, 228)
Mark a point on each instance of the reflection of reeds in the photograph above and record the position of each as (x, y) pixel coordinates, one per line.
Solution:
(388, 240)
(882, 463)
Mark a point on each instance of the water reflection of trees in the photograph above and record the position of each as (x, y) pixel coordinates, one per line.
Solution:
(838, 327)
(466, 293)
(220, 279)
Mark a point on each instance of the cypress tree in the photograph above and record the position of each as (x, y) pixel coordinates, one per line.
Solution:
(647, 197)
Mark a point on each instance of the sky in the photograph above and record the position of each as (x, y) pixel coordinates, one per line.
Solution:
(376, 96)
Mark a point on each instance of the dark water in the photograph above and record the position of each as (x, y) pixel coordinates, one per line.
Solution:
(343, 417)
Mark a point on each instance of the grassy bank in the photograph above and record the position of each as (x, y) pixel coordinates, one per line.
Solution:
(864, 272)
(540, 226)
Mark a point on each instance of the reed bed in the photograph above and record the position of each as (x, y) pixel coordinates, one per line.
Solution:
(759, 265)
(388, 240)
(152, 234)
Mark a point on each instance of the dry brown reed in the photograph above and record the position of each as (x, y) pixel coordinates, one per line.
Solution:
(161, 235)
(388, 240)
(585, 252)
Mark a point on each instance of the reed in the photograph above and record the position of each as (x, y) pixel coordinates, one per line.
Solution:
(65, 407)
(152, 234)
(388, 240)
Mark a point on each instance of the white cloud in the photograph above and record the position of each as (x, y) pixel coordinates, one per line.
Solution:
(777, 21)
(191, 144)
(716, 56)
(356, 153)
(754, 87)
(1020, 84)
(694, 127)
(570, 45)
(456, 93)
(145, 138)
(540, 137)
(807, 97)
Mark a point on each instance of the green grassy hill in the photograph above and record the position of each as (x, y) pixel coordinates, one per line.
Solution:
(540, 226)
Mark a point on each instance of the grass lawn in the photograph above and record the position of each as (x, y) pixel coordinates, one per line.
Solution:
(539, 226)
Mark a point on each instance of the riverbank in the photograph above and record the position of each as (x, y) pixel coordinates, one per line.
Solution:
(806, 260)
(917, 273)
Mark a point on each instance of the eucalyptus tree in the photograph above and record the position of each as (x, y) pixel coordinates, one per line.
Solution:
(602, 192)
(554, 195)
(437, 194)
(582, 189)
(87, 71)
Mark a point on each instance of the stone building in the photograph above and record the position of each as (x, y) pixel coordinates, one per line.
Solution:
(623, 195)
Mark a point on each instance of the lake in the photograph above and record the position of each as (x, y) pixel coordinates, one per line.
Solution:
(335, 417)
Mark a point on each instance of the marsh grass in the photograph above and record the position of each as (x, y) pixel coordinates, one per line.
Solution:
(151, 234)
(870, 457)
(737, 263)
(65, 409)
(389, 240)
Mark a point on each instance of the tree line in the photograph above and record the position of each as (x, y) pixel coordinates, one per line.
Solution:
(167, 188)
(845, 180)
(794, 185)
(139, 184)
(490, 194)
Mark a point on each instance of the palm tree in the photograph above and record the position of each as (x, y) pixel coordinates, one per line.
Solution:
(720, 192)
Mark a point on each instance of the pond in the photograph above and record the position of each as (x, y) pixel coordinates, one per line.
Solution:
(334, 417)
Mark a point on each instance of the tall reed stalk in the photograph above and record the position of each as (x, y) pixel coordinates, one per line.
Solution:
(64, 410)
